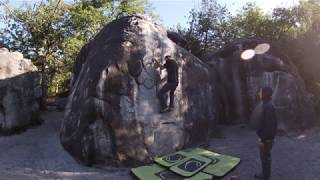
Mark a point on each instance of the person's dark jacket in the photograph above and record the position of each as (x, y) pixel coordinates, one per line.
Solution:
(267, 124)
(172, 69)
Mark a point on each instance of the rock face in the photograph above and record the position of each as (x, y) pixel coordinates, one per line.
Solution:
(240, 81)
(19, 90)
(112, 114)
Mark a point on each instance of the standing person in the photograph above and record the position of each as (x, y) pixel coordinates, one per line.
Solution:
(172, 82)
(266, 131)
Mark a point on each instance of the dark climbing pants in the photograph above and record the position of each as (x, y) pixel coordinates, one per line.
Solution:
(265, 147)
(165, 89)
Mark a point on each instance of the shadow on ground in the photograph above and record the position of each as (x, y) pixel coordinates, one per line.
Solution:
(38, 154)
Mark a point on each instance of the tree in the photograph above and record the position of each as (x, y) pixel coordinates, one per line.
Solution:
(84, 20)
(295, 29)
(213, 26)
(206, 30)
(51, 33)
(38, 33)
(303, 45)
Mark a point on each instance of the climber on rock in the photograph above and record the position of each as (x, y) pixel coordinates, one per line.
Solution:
(172, 82)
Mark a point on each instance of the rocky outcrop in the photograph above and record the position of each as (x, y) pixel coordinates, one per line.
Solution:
(178, 39)
(240, 81)
(112, 114)
(19, 90)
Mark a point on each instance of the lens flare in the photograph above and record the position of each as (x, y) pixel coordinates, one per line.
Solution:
(262, 48)
(247, 54)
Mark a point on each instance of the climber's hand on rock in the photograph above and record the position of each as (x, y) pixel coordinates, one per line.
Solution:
(158, 64)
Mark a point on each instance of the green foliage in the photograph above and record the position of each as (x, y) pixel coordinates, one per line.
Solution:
(250, 22)
(303, 46)
(295, 29)
(213, 26)
(51, 33)
(207, 27)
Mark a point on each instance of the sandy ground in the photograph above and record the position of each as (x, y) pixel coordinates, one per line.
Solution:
(294, 157)
(37, 154)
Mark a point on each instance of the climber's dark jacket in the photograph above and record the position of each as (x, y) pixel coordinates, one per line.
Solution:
(267, 124)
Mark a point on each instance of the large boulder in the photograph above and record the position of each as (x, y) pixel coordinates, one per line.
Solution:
(112, 114)
(19, 90)
(241, 78)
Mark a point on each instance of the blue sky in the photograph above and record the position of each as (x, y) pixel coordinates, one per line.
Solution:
(173, 12)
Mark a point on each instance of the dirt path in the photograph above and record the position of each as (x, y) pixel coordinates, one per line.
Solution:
(37, 154)
(295, 157)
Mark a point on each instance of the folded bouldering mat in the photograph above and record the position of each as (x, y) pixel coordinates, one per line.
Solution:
(220, 165)
(192, 164)
(156, 172)
(172, 159)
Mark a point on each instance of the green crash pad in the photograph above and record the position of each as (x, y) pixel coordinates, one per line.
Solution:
(156, 172)
(147, 172)
(194, 164)
(221, 164)
(191, 165)
(172, 159)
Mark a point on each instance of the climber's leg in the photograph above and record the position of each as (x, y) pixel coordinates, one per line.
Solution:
(161, 95)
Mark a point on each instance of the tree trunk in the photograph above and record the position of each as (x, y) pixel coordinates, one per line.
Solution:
(44, 84)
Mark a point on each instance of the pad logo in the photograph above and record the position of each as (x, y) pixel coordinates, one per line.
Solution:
(166, 174)
(191, 165)
(173, 158)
